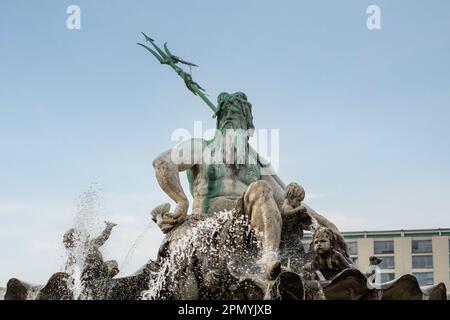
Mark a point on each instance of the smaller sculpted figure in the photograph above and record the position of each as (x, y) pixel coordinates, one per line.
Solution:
(328, 259)
(373, 272)
(295, 219)
(94, 267)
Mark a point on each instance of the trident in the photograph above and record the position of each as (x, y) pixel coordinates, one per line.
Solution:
(166, 57)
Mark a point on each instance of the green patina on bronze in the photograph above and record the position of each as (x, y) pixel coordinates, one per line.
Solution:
(246, 174)
(233, 111)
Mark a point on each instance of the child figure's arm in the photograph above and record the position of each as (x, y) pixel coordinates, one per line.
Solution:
(305, 218)
(99, 241)
(288, 210)
(342, 261)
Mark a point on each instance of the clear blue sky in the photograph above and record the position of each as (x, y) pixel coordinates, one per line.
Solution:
(363, 115)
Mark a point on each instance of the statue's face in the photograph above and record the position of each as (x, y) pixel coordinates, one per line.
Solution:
(322, 244)
(295, 201)
(232, 117)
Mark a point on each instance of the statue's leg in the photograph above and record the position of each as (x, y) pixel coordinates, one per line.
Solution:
(264, 215)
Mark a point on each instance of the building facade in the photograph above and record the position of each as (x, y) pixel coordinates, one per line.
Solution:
(423, 253)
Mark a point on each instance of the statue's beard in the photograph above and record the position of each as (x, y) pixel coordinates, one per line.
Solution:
(233, 148)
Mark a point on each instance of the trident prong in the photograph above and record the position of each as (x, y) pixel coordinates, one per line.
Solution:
(176, 59)
(161, 60)
(161, 53)
(147, 38)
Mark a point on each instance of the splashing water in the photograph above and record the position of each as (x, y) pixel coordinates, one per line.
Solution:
(379, 294)
(85, 221)
(133, 248)
(320, 294)
(33, 293)
(86, 217)
(198, 239)
(75, 263)
(272, 291)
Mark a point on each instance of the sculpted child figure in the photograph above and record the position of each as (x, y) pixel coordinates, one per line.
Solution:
(328, 257)
(295, 219)
(94, 267)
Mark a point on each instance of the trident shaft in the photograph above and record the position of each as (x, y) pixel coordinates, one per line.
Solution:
(166, 57)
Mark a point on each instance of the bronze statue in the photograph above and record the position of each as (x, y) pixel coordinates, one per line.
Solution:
(245, 224)
(219, 185)
(329, 260)
(373, 272)
(295, 219)
(80, 246)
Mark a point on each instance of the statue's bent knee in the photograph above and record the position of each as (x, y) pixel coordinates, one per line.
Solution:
(259, 188)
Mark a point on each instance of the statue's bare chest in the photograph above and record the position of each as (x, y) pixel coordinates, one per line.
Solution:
(245, 175)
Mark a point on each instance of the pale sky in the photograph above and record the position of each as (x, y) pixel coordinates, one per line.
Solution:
(363, 114)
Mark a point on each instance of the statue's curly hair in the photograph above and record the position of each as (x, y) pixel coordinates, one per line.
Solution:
(294, 190)
(336, 240)
(238, 98)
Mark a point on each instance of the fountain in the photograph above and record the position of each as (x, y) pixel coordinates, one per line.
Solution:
(241, 241)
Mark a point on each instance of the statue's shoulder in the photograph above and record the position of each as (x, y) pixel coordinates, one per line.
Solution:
(338, 255)
(194, 142)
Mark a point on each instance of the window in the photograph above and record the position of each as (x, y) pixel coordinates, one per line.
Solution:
(422, 262)
(352, 248)
(386, 277)
(424, 278)
(422, 246)
(381, 247)
(388, 262)
(306, 247)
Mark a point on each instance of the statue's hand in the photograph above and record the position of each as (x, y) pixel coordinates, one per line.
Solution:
(178, 216)
(304, 216)
(167, 221)
(180, 211)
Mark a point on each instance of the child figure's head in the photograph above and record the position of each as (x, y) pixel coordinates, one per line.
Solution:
(375, 260)
(323, 240)
(294, 194)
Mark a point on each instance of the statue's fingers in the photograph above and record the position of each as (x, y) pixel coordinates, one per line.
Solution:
(178, 215)
(175, 215)
(169, 220)
(166, 227)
